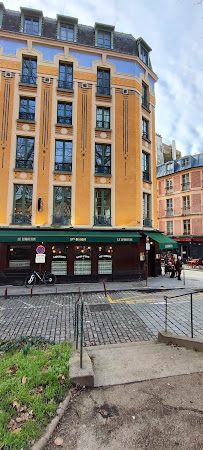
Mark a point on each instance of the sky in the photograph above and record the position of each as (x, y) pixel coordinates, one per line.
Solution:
(174, 31)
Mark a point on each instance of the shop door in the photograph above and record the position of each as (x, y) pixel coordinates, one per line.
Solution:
(151, 261)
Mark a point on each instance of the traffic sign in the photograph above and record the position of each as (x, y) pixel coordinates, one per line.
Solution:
(40, 249)
(147, 239)
(147, 246)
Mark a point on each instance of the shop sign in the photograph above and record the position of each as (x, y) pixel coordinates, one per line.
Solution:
(82, 257)
(58, 257)
(182, 239)
(105, 256)
(79, 239)
(200, 239)
(124, 239)
(168, 245)
(40, 258)
(158, 256)
(26, 239)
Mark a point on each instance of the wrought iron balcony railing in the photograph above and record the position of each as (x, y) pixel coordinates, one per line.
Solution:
(63, 167)
(102, 220)
(186, 186)
(186, 211)
(147, 222)
(24, 164)
(26, 115)
(145, 135)
(145, 176)
(61, 220)
(145, 103)
(103, 90)
(102, 169)
(68, 85)
(21, 219)
(28, 79)
(169, 190)
(169, 212)
(64, 119)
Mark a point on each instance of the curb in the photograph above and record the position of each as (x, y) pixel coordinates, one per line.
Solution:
(39, 445)
(166, 337)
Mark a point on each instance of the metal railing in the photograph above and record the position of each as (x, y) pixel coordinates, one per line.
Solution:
(186, 186)
(64, 119)
(66, 167)
(28, 79)
(21, 219)
(61, 220)
(145, 103)
(169, 190)
(68, 85)
(147, 222)
(169, 212)
(26, 115)
(103, 90)
(102, 220)
(173, 313)
(24, 164)
(102, 169)
(78, 325)
(145, 176)
(145, 135)
(186, 211)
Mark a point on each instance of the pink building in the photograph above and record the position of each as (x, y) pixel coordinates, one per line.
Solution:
(180, 203)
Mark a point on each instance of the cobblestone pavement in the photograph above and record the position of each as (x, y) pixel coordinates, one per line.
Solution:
(124, 317)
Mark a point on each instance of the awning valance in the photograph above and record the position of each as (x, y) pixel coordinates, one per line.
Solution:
(13, 235)
(164, 241)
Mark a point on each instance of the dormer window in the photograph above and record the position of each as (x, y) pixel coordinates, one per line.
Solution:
(104, 35)
(31, 21)
(144, 50)
(67, 28)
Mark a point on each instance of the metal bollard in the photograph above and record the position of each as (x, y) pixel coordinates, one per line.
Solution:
(166, 312)
(6, 294)
(191, 315)
(31, 292)
(81, 333)
(105, 288)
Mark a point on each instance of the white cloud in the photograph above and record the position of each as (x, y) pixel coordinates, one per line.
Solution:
(174, 30)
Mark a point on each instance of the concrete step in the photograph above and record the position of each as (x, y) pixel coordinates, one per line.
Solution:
(128, 363)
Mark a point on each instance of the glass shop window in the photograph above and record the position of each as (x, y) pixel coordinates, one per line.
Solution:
(105, 254)
(19, 256)
(59, 260)
(82, 261)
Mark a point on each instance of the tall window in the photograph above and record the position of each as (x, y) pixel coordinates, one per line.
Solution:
(145, 128)
(102, 158)
(169, 207)
(64, 113)
(145, 96)
(145, 166)
(169, 185)
(22, 204)
(63, 156)
(65, 76)
(185, 182)
(103, 82)
(27, 108)
(104, 39)
(103, 117)
(146, 210)
(102, 215)
(66, 32)
(186, 226)
(170, 227)
(31, 26)
(29, 71)
(62, 205)
(25, 153)
(186, 205)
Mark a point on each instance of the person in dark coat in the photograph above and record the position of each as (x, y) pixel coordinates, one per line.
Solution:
(178, 266)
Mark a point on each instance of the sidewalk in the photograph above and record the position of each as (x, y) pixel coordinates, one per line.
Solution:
(158, 283)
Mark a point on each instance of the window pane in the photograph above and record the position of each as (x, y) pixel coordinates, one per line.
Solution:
(63, 32)
(70, 34)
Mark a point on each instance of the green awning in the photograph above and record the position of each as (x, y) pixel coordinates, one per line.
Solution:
(164, 241)
(12, 235)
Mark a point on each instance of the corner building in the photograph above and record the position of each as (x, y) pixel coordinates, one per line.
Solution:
(77, 149)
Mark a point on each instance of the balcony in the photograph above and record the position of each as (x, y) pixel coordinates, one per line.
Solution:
(61, 220)
(63, 167)
(169, 212)
(26, 116)
(103, 169)
(64, 119)
(21, 219)
(145, 176)
(67, 85)
(145, 135)
(102, 90)
(28, 79)
(24, 164)
(186, 186)
(186, 233)
(147, 222)
(186, 211)
(102, 221)
(145, 103)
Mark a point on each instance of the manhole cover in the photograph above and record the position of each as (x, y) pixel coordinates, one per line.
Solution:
(100, 307)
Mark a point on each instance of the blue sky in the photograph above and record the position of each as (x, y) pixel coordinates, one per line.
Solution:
(174, 31)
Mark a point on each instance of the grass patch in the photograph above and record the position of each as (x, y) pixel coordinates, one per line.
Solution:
(34, 377)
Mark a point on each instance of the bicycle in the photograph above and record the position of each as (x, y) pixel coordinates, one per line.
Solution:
(47, 278)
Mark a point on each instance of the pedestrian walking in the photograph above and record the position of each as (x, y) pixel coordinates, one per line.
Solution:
(178, 266)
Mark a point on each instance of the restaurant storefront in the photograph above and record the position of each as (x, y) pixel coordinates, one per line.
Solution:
(79, 255)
